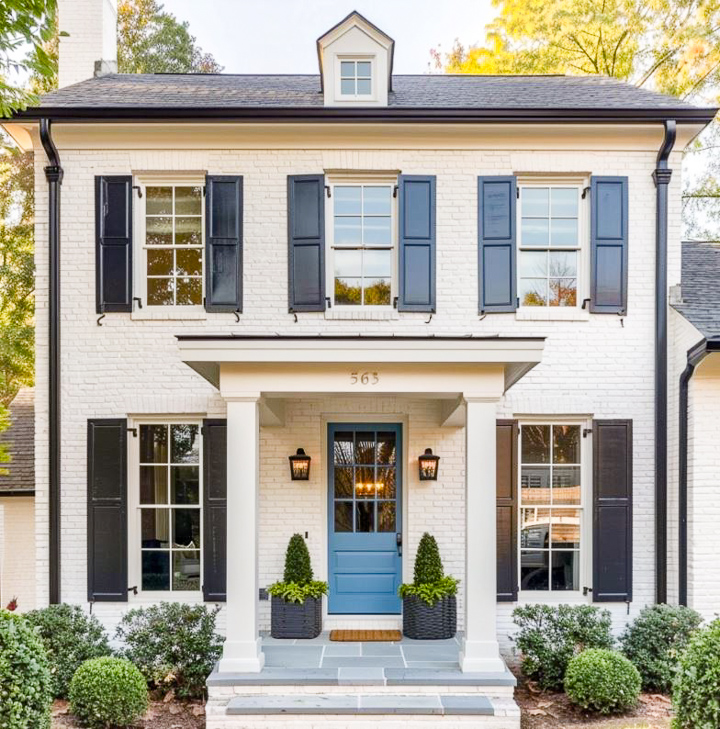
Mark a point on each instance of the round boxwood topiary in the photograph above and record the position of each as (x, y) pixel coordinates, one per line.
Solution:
(602, 680)
(108, 692)
(656, 639)
(25, 686)
(70, 637)
(696, 689)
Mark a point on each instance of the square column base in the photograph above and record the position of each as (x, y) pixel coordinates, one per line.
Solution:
(481, 657)
(242, 657)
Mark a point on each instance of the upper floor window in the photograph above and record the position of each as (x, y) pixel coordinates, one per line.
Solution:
(550, 256)
(172, 236)
(356, 78)
(362, 244)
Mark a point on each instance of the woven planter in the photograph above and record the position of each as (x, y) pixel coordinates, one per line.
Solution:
(296, 620)
(429, 622)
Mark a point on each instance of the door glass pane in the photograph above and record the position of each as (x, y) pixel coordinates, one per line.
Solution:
(186, 527)
(153, 444)
(534, 569)
(344, 447)
(386, 482)
(186, 570)
(344, 483)
(156, 570)
(185, 443)
(566, 571)
(535, 485)
(386, 448)
(364, 482)
(343, 516)
(536, 444)
(365, 447)
(365, 516)
(386, 516)
(185, 484)
(154, 530)
(153, 485)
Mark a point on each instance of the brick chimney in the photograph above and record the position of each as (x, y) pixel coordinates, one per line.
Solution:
(90, 48)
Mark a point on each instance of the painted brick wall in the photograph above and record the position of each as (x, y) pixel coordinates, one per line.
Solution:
(601, 366)
(17, 563)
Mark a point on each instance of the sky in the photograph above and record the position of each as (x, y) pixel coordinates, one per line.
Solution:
(278, 36)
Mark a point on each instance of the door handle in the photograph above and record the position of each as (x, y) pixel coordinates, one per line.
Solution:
(398, 542)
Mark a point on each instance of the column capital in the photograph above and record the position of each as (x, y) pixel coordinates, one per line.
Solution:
(471, 397)
(243, 397)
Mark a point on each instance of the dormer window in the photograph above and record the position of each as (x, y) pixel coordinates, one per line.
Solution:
(356, 78)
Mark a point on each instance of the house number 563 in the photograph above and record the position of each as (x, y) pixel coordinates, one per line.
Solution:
(364, 378)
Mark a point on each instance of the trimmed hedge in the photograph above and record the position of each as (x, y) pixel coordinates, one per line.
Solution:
(603, 681)
(25, 684)
(108, 692)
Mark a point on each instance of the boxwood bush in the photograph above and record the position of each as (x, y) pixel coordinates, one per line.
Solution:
(70, 637)
(175, 646)
(550, 636)
(108, 692)
(696, 688)
(656, 639)
(25, 686)
(602, 680)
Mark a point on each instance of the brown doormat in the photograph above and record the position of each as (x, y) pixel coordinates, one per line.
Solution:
(369, 636)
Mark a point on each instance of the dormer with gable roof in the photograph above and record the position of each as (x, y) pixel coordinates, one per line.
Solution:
(356, 60)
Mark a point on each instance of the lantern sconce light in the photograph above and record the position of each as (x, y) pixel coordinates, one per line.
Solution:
(299, 466)
(428, 465)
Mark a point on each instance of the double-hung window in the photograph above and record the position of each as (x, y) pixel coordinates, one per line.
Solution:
(551, 232)
(172, 230)
(167, 498)
(552, 506)
(362, 244)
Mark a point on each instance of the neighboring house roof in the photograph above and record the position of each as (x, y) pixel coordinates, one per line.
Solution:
(700, 286)
(106, 95)
(20, 441)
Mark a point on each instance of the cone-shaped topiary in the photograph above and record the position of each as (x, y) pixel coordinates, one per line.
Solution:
(297, 562)
(428, 565)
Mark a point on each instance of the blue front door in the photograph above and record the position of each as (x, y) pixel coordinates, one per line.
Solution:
(364, 487)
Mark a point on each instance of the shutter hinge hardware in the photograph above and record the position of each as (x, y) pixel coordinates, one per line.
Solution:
(395, 302)
(328, 301)
(139, 300)
(587, 432)
(585, 192)
(328, 191)
(429, 319)
(132, 589)
(133, 431)
(99, 319)
(585, 303)
(586, 590)
(517, 193)
(237, 316)
(138, 188)
(395, 191)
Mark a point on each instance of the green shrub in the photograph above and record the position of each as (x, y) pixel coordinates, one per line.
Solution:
(297, 584)
(656, 639)
(602, 680)
(175, 646)
(430, 583)
(108, 692)
(696, 688)
(25, 685)
(550, 636)
(70, 637)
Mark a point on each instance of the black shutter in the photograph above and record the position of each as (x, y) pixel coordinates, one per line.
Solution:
(612, 510)
(497, 279)
(107, 510)
(113, 244)
(507, 510)
(609, 245)
(306, 242)
(223, 242)
(215, 510)
(416, 213)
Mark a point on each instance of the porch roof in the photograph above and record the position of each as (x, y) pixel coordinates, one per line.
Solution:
(206, 353)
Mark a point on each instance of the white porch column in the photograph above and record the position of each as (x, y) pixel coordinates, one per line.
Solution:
(480, 651)
(242, 651)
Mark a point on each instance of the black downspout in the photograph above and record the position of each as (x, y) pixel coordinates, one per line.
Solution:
(661, 176)
(53, 175)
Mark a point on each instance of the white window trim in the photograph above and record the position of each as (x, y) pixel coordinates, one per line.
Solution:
(586, 529)
(363, 311)
(134, 528)
(565, 313)
(140, 250)
(368, 58)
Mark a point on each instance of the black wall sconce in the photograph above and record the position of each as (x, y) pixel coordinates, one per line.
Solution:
(428, 465)
(299, 466)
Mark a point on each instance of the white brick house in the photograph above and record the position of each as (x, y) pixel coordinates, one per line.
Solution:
(347, 263)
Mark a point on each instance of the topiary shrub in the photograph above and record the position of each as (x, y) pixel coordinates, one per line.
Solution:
(656, 639)
(603, 681)
(428, 565)
(696, 688)
(25, 685)
(175, 646)
(550, 636)
(108, 692)
(297, 562)
(70, 637)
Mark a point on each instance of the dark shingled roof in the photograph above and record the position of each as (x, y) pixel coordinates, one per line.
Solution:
(20, 440)
(700, 286)
(429, 91)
